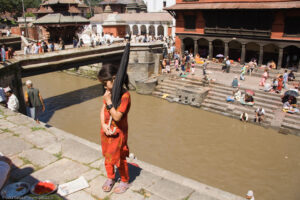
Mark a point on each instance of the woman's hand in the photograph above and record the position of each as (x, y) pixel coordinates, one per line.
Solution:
(107, 97)
(106, 129)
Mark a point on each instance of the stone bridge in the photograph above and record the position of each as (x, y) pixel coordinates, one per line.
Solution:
(143, 61)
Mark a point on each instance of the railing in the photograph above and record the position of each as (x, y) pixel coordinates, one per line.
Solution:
(242, 32)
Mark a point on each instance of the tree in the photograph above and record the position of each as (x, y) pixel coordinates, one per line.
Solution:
(15, 6)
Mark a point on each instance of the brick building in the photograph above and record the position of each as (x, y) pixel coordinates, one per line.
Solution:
(262, 29)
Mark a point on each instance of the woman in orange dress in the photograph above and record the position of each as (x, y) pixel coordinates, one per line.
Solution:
(114, 144)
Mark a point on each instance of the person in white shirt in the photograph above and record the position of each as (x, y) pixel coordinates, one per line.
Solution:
(259, 115)
(26, 50)
(250, 195)
(13, 102)
(5, 166)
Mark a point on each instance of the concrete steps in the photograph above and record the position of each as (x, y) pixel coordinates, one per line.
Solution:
(215, 101)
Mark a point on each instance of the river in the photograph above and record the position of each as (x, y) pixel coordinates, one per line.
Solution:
(207, 147)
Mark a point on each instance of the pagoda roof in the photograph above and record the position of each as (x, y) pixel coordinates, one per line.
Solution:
(44, 10)
(52, 2)
(135, 17)
(73, 9)
(235, 5)
(59, 18)
(125, 2)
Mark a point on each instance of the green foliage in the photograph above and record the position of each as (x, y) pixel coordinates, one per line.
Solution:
(15, 6)
(29, 14)
(36, 128)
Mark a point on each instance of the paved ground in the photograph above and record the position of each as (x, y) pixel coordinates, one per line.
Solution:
(47, 153)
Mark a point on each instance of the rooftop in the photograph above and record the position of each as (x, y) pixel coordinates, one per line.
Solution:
(135, 17)
(235, 5)
(58, 18)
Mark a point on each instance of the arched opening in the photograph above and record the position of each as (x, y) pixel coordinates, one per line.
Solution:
(151, 30)
(135, 30)
(160, 30)
(143, 30)
(188, 45)
(235, 50)
(270, 54)
(252, 52)
(203, 46)
(218, 47)
(291, 57)
(128, 31)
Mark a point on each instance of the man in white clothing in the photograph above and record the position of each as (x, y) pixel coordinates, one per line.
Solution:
(250, 195)
(13, 102)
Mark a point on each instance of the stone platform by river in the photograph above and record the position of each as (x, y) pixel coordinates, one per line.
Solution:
(41, 152)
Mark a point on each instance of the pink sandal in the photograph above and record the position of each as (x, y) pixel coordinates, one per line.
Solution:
(122, 187)
(109, 183)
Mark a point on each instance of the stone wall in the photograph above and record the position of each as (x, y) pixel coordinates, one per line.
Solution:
(11, 76)
(143, 61)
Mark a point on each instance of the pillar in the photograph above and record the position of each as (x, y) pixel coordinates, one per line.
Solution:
(195, 47)
(210, 48)
(139, 29)
(182, 46)
(243, 53)
(166, 30)
(226, 49)
(280, 55)
(155, 29)
(131, 28)
(147, 29)
(261, 53)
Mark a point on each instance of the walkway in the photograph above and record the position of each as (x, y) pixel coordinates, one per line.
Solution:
(40, 152)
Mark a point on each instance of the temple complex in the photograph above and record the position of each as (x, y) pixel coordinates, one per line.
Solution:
(266, 30)
(61, 19)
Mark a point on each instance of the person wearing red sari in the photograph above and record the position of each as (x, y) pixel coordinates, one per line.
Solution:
(114, 144)
(280, 84)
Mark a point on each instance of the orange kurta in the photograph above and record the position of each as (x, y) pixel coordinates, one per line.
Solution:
(115, 148)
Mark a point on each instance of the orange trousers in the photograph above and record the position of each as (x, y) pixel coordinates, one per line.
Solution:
(123, 170)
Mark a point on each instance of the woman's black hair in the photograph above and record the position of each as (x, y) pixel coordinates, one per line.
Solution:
(107, 73)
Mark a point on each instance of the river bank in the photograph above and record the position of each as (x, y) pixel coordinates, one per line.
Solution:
(42, 152)
(182, 138)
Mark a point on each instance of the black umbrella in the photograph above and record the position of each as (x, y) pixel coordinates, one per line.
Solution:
(118, 89)
(291, 93)
(287, 97)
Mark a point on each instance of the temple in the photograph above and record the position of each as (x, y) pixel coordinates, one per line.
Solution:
(267, 30)
(61, 19)
(123, 6)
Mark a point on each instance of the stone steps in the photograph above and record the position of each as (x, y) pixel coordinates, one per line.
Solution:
(235, 114)
(259, 93)
(215, 102)
(258, 102)
(289, 128)
(226, 107)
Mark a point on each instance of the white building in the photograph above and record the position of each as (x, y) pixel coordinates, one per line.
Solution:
(155, 24)
(158, 5)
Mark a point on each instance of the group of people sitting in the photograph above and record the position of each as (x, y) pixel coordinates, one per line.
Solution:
(244, 99)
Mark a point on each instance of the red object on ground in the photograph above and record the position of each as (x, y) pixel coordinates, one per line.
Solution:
(44, 188)
(250, 92)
